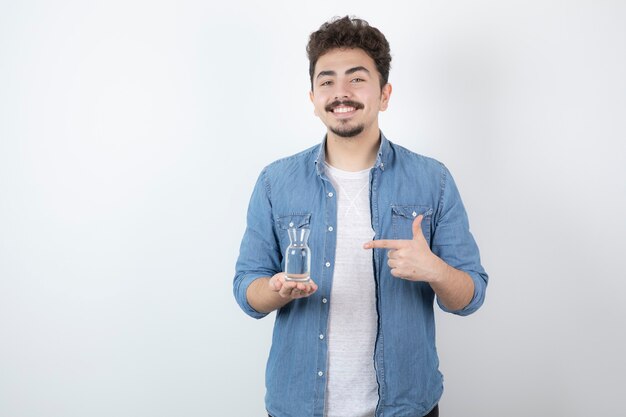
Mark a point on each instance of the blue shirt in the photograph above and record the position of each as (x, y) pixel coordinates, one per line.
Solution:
(295, 192)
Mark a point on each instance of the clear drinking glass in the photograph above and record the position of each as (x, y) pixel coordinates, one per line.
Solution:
(298, 256)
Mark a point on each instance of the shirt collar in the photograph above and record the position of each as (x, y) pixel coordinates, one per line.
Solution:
(382, 157)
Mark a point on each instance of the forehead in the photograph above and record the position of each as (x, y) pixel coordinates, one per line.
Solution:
(339, 60)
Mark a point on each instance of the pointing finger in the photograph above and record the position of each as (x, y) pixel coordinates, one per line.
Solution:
(384, 243)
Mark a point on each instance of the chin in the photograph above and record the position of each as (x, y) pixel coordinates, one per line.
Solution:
(348, 132)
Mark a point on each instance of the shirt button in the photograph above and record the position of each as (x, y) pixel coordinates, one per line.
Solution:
(414, 214)
(320, 373)
(324, 300)
(330, 194)
(327, 264)
(291, 224)
(321, 337)
(330, 228)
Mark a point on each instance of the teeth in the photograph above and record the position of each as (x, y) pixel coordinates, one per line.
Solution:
(343, 109)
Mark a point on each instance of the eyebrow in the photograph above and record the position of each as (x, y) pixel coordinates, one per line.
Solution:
(348, 72)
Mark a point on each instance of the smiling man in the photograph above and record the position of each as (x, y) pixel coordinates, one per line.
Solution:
(388, 235)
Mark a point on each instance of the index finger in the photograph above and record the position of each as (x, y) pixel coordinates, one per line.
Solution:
(384, 243)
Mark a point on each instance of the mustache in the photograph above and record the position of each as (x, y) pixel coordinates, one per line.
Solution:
(347, 103)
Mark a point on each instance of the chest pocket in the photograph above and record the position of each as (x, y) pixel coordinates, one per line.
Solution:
(402, 218)
(296, 221)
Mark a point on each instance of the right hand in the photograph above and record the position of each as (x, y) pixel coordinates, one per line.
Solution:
(291, 289)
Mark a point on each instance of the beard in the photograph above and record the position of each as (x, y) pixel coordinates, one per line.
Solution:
(344, 131)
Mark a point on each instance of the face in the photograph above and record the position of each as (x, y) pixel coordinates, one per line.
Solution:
(346, 92)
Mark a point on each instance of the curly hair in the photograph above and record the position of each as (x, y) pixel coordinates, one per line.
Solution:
(350, 32)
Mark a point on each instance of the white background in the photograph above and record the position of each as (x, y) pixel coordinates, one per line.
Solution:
(132, 132)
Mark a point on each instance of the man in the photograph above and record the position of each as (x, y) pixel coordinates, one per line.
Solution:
(388, 232)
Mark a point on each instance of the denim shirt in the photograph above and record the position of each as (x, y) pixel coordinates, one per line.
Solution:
(295, 192)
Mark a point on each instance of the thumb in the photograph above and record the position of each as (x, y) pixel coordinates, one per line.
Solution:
(275, 283)
(417, 227)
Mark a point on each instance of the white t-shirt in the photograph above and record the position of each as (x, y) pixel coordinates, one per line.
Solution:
(352, 390)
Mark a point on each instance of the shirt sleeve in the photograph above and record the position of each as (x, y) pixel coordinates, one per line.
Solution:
(453, 242)
(259, 253)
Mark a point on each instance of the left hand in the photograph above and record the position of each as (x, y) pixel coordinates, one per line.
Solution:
(410, 259)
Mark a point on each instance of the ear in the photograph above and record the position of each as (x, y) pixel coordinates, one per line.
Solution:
(384, 96)
(312, 97)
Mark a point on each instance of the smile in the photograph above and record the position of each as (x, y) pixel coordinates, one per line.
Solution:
(342, 109)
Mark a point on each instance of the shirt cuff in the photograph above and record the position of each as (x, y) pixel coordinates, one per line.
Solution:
(480, 280)
(242, 299)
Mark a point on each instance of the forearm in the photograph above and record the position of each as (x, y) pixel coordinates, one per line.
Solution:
(454, 288)
(262, 298)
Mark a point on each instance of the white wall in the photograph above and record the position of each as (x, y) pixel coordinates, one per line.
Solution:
(131, 134)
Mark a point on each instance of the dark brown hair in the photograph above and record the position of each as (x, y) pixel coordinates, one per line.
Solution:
(350, 32)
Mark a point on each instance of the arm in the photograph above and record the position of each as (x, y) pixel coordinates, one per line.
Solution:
(413, 260)
(453, 242)
(259, 285)
(453, 267)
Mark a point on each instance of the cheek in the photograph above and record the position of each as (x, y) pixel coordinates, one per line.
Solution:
(320, 108)
(381, 104)
(371, 99)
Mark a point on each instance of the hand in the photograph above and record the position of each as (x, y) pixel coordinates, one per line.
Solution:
(411, 259)
(291, 289)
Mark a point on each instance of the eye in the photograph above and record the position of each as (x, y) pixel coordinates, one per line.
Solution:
(357, 80)
(325, 83)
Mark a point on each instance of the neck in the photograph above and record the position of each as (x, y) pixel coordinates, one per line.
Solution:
(352, 154)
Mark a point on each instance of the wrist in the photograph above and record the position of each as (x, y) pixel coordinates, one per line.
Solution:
(441, 271)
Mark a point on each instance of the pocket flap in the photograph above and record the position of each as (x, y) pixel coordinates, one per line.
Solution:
(293, 221)
(411, 211)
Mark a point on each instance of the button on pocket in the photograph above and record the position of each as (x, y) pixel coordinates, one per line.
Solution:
(402, 217)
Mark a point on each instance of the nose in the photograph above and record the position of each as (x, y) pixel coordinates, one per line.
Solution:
(341, 92)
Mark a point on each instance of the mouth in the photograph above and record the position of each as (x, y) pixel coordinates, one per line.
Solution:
(344, 109)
